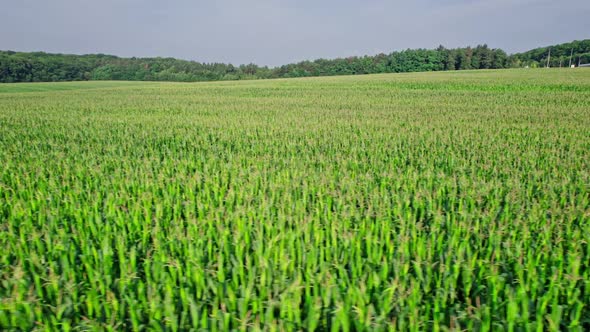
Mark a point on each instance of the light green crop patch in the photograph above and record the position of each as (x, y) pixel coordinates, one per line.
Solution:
(61, 86)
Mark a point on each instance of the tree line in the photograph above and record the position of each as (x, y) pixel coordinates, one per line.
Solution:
(46, 67)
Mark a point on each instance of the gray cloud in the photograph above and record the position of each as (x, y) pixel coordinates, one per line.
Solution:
(273, 32)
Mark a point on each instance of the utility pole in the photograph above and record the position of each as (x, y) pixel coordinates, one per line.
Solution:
(571, 55)
(548, 58)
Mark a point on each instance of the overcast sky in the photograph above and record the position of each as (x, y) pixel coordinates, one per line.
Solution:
(274, 32)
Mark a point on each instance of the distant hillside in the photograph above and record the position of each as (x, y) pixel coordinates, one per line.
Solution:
(578, 51)
(46, 67)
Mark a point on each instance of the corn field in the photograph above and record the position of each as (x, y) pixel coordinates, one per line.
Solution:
(397, 202)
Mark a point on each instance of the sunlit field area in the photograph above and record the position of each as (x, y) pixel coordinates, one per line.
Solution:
(419, 202)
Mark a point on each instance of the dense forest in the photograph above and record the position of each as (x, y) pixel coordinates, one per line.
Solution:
(44, 67)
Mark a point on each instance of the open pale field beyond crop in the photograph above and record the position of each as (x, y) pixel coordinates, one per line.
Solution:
(420, 202)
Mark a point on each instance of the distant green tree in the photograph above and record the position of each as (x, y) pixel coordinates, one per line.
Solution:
(451, 60)
(102, 73)
(464, 59)
(484, 57)
(499, 59)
